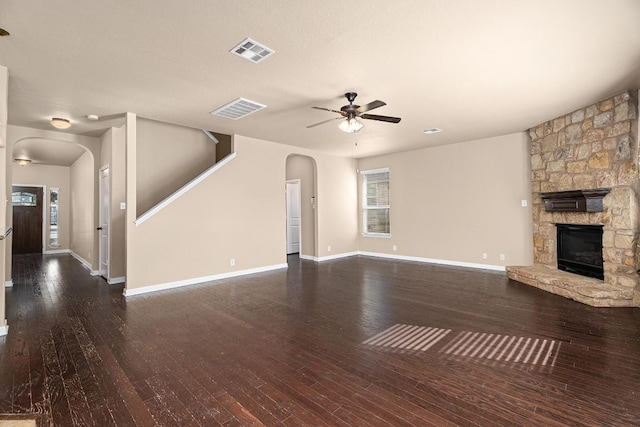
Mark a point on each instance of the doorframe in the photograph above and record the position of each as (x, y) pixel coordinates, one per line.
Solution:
(100, 220)
(286, 201)
(45, 204)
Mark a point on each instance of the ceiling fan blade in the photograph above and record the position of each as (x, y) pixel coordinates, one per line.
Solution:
(381, 118)
(328, 109)
(324, 121)
(370, 106)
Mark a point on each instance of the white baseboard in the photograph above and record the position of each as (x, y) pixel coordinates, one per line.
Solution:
(115, 280)
(309, 257)
(434, 261)
(4, 330)
(196, 280)
(85, 263)
(336, 256)
(57, 251)
(8, 283)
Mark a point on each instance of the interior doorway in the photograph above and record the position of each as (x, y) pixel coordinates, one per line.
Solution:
(28, 208)
(293, 216)
(302, 169)
(103, 227)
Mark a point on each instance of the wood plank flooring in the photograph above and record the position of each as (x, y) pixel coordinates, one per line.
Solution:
(296, 347)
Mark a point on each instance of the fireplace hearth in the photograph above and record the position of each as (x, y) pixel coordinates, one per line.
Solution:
(580, 249)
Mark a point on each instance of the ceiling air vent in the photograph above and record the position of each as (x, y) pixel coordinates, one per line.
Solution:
(238, 109)
(431, 131)
(252, 51)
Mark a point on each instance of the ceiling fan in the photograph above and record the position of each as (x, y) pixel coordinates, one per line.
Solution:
(349, 114)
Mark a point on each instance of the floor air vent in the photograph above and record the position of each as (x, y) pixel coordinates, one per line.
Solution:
(252, 51)
(238, 109)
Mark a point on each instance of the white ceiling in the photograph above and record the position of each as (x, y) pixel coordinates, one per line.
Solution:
(472, 68)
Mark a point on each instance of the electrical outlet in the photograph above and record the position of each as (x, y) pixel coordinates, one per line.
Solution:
(524, 203)
(395, 248)
(484, 255)
(123, 206)
(232, 262)
(502, 257)
(329, 248)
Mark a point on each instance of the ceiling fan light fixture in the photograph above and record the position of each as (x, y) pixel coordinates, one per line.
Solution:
(350, 125)
(60, 123)
(22, 162)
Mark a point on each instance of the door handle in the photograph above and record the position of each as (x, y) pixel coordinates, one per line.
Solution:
(99, 228)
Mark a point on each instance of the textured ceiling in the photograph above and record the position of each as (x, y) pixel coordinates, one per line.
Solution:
(474, 69)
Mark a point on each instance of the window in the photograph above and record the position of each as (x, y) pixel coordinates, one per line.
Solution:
(53, 217)
(20, 198)
(375, 202)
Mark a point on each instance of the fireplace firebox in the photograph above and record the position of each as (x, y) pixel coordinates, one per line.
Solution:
(580, 249)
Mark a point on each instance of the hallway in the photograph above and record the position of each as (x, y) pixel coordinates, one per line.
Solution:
(356, 341)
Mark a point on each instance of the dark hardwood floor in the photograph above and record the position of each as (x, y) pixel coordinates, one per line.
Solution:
(356, 341)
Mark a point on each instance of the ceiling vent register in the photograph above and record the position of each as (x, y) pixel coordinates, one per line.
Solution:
(238, 109)
(252, 51)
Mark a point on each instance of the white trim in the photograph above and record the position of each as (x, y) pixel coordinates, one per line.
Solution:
(56, 251)
(166, 202)
(375, 170)
(196, 280)
(308, 257)
(210, 136)
(379, 235)
(336, 256)
(8, 284)
(434, 261)
(84, 263)
(115, 280)
(4, 330)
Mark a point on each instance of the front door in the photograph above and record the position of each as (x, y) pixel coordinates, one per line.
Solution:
(27, 220)
(293, 217)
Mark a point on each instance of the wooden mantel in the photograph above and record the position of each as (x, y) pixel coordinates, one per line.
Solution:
(575, 200)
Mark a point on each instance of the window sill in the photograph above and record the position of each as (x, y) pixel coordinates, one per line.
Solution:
(379, 235)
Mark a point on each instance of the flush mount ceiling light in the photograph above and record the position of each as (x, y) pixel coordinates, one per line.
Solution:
(350, 125)
(252, 51)
(3, 32)
(22, 162)
(59, 123)
(431, 131)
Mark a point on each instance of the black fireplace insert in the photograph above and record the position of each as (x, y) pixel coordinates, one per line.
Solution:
(580, 249)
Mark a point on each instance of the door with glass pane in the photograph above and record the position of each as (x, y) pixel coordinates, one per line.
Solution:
(27, 220)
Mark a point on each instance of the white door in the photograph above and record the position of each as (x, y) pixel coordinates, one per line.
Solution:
(293, 217)
(103, 229)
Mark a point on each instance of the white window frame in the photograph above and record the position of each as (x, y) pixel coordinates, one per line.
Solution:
(365, 207)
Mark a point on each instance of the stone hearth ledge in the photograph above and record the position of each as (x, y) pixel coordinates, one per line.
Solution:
(586, 290)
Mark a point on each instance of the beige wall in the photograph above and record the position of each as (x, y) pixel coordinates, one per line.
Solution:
(51, 177)
(83, 227)
(455, 202)
(112, 154)
(238, 212)
(303, 168)
(169, 156)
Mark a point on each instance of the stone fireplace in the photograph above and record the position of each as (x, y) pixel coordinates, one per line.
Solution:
(591, 148)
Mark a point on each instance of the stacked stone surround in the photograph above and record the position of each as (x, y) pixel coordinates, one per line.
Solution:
(594, 147)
